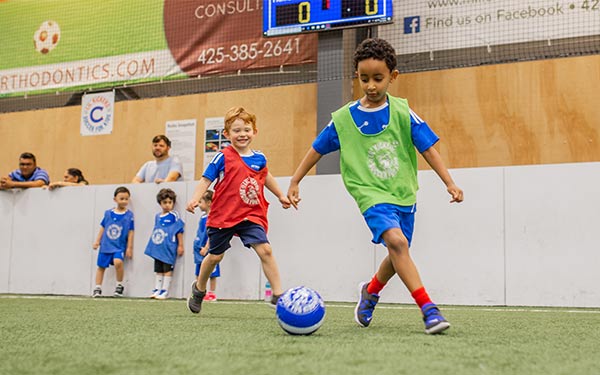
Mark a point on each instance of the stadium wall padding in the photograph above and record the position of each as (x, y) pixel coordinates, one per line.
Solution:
(524, 236)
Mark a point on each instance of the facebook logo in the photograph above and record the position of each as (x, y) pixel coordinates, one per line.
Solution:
(412, 24)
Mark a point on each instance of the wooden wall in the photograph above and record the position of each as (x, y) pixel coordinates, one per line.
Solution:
(540, 112)
(286, 119)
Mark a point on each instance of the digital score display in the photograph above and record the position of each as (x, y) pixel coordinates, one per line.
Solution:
(282, 17)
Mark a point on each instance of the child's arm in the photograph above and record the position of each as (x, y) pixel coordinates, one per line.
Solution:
(179, 244)
(310, 159)
(434, 159)
(96, 244)
(129, 251)
(198, 193)
(273, 186)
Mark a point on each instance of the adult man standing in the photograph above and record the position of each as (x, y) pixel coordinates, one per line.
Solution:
(164, 168)
(28, 175)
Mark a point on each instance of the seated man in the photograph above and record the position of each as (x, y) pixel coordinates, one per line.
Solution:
(28, 175)
(164, 168)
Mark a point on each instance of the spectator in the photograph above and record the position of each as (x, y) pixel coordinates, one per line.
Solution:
(28, 175)
(164, 168)
(72, 177)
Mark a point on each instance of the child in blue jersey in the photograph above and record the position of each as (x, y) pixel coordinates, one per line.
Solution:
(201, 247)
(377, 136)
(165, 243)
(115, 241)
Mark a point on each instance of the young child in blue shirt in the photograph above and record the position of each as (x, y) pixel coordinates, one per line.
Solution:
(377, 136)
(114, 241)
(201, 246)
(165, 243)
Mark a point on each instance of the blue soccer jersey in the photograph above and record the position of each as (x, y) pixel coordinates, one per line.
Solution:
(372, 121)
(200, 240)
(163, 243)
(116, 231)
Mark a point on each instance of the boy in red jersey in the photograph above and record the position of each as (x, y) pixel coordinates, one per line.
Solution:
(239, 206)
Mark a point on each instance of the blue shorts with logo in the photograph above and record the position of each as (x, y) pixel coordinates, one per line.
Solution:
(385, 216)
(106, 259)
(250, 233)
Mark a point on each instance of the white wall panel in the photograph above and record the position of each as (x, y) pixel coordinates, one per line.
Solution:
(552, 248)
(50, 242)
(6, 229)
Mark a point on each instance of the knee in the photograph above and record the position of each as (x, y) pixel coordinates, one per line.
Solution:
(264, 250)
(118, 263)
(397, 243)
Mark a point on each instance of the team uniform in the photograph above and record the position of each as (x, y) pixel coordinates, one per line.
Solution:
(239, 206)
(162, 245)
(38, 174)
(382, 180)
(114, 238)
(151, 170)
(199, 242)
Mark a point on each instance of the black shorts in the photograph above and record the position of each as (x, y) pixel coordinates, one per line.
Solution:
(250, 233)
(162, 267)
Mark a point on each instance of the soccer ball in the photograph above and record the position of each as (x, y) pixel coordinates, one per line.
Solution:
(300, 311)
(46, 37)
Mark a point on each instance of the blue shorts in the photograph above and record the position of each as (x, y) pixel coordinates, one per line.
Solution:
(216, 272)
(383, 217)
(250, 233)
(106, 259)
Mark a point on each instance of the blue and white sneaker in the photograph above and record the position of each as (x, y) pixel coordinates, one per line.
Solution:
(363, 313)
(155, 293)
(163, 294)
(434, 321)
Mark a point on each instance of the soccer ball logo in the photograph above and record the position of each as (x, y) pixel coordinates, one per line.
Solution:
(46, 37)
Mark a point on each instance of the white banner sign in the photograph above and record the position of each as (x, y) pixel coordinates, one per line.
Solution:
(97, 113)
(182, 134)
(434, 25)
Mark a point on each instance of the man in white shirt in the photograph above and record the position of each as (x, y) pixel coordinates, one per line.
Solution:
(164, 168)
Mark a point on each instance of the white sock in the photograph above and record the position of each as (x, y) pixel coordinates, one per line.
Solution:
(166, 283)
(98, 287)
(158, 282)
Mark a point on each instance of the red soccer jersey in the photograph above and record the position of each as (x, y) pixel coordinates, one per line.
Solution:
(239, 195)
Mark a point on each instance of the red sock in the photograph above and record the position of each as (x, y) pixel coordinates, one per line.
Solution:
(421, 297)
(375, 286)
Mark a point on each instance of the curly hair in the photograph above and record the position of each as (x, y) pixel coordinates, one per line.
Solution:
(166, 194)
(378, 49)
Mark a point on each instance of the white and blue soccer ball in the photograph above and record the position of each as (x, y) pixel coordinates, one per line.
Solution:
(46, 37)
(300, 311)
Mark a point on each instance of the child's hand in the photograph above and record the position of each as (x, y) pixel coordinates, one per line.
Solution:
(191, 206)
(96, 245)
(293, 195)
(204, 251)
(456, 193)
(285, 202)
(179, 251)
(129, 253)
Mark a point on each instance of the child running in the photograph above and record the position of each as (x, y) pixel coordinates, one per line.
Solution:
(115, 241)
(239, 206)
(377, 136)
(165, 243)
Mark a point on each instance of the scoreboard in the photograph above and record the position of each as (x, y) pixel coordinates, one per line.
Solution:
(281, 17)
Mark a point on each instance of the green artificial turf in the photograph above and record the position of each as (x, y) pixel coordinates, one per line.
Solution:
(66, 335)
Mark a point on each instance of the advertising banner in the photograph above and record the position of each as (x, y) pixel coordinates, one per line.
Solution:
(57, 45)
(434, 25)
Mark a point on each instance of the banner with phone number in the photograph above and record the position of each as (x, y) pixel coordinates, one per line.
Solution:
(57, 45)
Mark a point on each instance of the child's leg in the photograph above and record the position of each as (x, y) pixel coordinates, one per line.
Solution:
(206, 268)
(269, 266)
(213, 284)
(398, 261)
(119, 270)
(100, 275)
